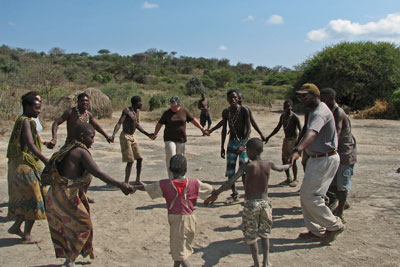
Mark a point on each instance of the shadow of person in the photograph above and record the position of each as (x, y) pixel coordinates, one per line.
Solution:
(286, 244)
(153, 206)
(5, 219)
(9, 242)
(217, 250)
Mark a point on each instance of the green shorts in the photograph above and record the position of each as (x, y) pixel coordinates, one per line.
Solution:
(257, 219)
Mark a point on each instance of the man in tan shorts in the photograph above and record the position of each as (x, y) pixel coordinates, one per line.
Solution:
(129, 147)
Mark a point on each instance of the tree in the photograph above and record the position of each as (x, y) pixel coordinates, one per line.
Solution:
(222, 77)
(56, 51)
(103, 52)
(359, 72)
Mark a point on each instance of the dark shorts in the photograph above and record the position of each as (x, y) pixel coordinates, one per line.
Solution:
(205, 118)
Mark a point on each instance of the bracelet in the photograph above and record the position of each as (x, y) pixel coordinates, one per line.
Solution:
(296, 149)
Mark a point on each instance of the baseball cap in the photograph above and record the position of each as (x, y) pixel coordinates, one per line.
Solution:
(308, 88)
(175, 101)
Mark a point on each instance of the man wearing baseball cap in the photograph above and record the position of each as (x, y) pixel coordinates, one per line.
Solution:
(320, 142)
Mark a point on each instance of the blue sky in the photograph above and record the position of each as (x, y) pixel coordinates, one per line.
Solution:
(260, 32)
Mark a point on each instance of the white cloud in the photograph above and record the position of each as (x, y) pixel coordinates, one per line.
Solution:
(386, 29)
(275, 19)
(223, 48)
(148, 5)
(248, 18)
(11, 23)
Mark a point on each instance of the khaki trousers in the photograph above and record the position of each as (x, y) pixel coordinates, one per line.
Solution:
(318, 176)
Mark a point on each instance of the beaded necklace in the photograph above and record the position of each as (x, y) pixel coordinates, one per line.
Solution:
(232, 121)
(80, 116)
(287, 121)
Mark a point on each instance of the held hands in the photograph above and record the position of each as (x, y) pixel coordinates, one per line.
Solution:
(240, 150)
(204, 131)
(295, 156)
(152, 136)
(210, 200)
(50, 144)
(127, 189)
(109, 139)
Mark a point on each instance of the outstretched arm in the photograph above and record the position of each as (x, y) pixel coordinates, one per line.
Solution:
(157, 129)
(198, 125)
(98, 128)
(305, 142)
(225, 186)
(54, 128)
(277, 128)
(280, 168)
(91, 166)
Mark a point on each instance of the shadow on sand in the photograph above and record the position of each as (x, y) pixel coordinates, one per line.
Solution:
(215, 251)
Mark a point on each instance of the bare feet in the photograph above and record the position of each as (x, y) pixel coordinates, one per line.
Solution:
(15, 231)
(90, 200)
(28, 239)
(138, 183)
(330, 236)
(231, 200)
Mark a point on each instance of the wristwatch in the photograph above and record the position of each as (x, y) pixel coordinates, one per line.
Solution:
(296, 149)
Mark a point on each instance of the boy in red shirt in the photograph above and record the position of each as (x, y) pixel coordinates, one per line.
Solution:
(181, 195)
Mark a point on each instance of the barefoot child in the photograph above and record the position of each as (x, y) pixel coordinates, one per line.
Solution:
(257, 213)
(129, 146)
(181, 194)
(67, 207)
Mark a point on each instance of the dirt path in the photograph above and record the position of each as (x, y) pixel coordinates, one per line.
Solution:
(133, 230)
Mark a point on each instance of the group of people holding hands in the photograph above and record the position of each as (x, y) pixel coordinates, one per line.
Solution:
(325, 142)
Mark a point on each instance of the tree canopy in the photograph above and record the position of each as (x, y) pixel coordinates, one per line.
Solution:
(359, 72)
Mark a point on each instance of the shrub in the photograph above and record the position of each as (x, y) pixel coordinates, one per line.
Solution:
(158, 101)
(121, 94)
(194, 87)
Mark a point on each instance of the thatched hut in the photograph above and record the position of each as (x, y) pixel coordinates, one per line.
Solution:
(100, 104)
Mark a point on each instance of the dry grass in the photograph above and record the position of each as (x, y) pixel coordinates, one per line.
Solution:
(100, 104)
(381, 110)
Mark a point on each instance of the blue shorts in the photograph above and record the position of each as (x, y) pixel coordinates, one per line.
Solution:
(231, 157)
(342, 178)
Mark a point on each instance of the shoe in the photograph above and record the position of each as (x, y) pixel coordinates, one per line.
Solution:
(286, 182)
(308, 235)
(346, 205)
(330, 236)
(90, 200)
(231, 200)
(293, 184)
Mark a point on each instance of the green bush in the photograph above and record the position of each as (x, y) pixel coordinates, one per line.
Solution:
(395, 99)
(158, 101)
(121, 94)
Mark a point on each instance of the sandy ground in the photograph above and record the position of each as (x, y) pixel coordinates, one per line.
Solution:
(133, 230)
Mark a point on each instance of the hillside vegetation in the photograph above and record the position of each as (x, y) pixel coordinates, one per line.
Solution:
(360, 72)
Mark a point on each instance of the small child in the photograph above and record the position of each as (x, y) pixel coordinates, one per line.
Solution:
(181, 194)
(257, 213)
